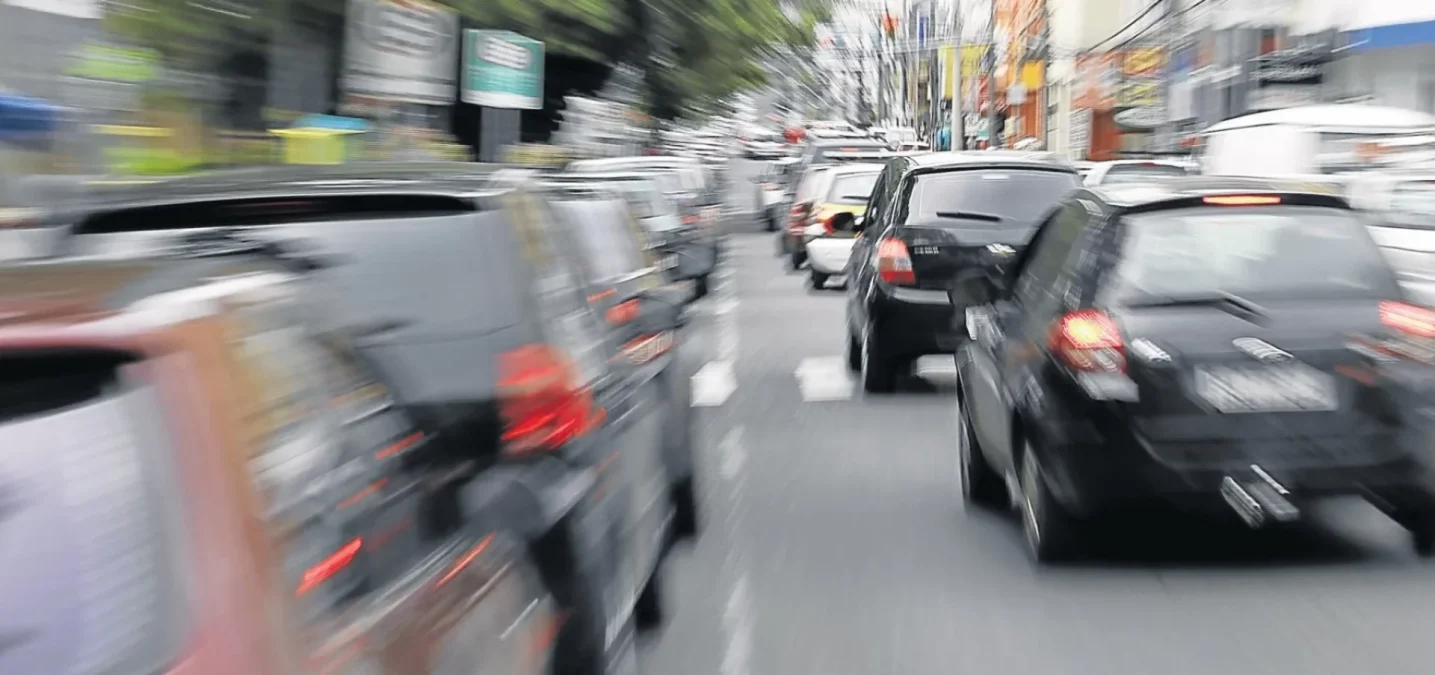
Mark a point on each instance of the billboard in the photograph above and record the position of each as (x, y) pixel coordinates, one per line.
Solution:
(402, 51)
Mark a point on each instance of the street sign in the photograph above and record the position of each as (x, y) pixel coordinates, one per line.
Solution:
(502, 69)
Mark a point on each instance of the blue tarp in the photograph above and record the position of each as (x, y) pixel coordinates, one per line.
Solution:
(26, 118)
(331, 122)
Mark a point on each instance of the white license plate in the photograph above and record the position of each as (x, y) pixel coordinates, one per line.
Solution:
(1259, 390)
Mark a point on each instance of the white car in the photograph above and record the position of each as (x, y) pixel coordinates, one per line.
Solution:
(1133, 171)
(827, 243)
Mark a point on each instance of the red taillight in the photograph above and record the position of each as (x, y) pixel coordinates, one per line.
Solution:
(894, 264)
(623, 313)
(328, 567)
(827, 224)
(541, 401)
(1412, 320)
(1088, 341)
(797, 216)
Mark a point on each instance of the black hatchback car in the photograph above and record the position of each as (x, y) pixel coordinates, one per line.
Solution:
(1211, 344)
(931, 216)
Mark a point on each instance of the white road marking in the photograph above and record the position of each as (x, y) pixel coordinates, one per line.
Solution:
(737, 628)
(713, 384)
(824, 378)
(731, 454)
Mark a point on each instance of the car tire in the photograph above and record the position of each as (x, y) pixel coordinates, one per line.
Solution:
(1050, 531)
(580, 647)
(854, 354)
(877, 373)
(648, 610)
(794, 261)
(981, 484)
(818, 279)
(770, 225)
(700, 287)
(686, 521)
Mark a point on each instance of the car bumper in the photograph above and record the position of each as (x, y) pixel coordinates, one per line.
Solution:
(914, 322)
(829, 256)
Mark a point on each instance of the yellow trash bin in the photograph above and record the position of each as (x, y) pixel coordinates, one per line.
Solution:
(315, 146)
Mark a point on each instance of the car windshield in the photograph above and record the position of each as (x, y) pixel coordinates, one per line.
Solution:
(1254, 252)
(1139, 173)
(852, 188)
(1412, 204)
(1017, 197)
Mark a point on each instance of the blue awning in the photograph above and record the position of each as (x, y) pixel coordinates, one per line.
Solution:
(1393, 35)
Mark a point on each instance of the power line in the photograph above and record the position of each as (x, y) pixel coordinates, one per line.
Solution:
(1150, 8)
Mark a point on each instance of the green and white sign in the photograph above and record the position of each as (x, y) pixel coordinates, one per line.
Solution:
(502, 69)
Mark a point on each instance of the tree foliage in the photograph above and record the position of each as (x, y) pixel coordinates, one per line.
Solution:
(693, 52)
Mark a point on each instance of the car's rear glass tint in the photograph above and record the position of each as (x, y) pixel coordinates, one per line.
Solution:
(852, 188)
(999, 197)
(1140, 173)
(1296, 252)
(91, 528)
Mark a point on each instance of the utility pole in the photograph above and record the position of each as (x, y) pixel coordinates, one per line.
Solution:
(958, 135)
(991, 67)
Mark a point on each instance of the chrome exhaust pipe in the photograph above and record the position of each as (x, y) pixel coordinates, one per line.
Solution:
(1261, 501)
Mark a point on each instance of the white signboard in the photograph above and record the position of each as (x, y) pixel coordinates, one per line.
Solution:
(401, 50)
(1079, 140)
(79, 9)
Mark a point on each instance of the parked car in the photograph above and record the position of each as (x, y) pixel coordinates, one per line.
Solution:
(772, 191)
(930, 217)
(827, 240)
(1133, 171)
(1231, 345)
(699, 198)
(252, 500)
(679, 249)
(1401, 212)
(478, 320)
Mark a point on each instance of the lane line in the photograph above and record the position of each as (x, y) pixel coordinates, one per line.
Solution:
(824, 378)
(737, 626)
(713, 384)
(732, 455)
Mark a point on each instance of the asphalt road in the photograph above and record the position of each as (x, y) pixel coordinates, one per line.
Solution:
(836, 542)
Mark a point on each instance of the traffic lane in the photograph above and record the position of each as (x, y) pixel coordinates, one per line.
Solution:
(840, 541)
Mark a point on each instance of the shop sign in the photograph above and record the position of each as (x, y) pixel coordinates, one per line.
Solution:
(1141, 119)
(1139, 94)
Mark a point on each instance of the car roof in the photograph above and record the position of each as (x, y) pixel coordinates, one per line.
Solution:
(1136, 195)
(840, 169)
(1004, 158)
(74, 291)
(834, 142)
(455, 179)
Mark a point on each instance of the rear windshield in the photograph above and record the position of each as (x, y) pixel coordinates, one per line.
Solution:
(1138, 173)
(1269, 251)
(1412, 204)
(852, 188)
(1002, 197)
(90, 528)
(600, 230)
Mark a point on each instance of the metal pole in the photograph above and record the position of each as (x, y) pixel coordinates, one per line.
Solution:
(991, 64)
(957, 137)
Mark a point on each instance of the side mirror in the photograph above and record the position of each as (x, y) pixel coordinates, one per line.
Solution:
(843, 221)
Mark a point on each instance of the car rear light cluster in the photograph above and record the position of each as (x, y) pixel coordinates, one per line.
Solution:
(1088, 341)
(894, 263)
(797, 215)
(1408, 319)
(542, 403)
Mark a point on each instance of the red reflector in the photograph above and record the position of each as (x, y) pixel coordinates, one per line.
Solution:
(1409, 319)
(1242, 200)
(328, 567)
(1088, 341)
(623, 313)
(541, 400)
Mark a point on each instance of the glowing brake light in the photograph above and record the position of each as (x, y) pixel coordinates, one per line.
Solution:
(1242, 200)
(894, 263)
(541, 400)
(622, 313)
(1088, 341)
(328, 567)
(1409, 319)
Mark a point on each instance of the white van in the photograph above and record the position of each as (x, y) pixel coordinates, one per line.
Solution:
(1306, 142)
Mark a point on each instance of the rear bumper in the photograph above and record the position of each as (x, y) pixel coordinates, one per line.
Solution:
(914, 322)
(829, 256)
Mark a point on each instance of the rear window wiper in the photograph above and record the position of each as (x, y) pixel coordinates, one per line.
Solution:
(968, 215)
(1218, 299)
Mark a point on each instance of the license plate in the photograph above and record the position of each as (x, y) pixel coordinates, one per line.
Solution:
(1258, 390)
(668, 262)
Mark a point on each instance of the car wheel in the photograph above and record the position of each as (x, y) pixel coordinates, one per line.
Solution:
(771, 225)
(981, 485)
(700, 287)
(854, 354)
(686, 522)
(794, 261)
(1050, 531)
(818, 279)
(580, 648)
(877, 372)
